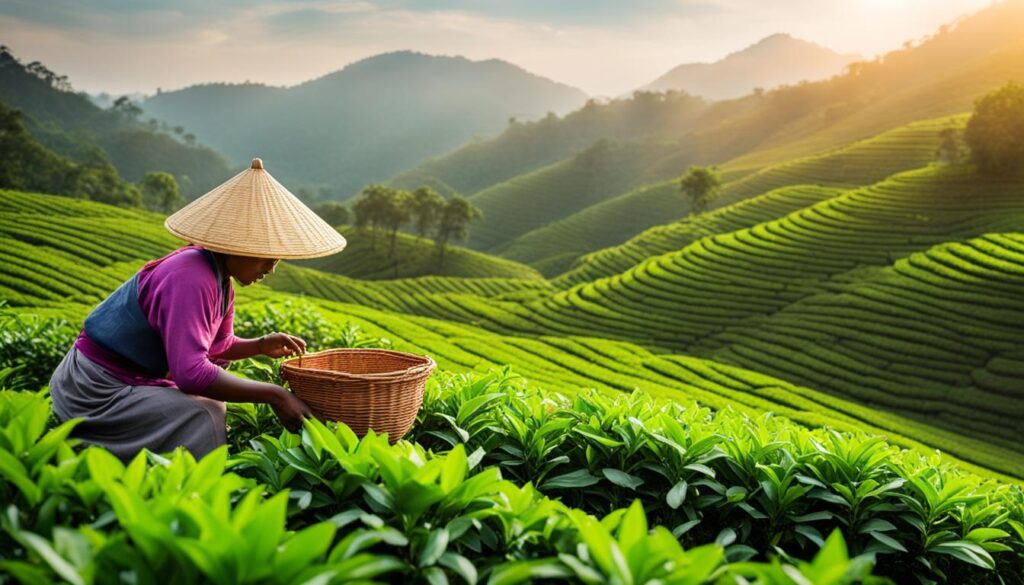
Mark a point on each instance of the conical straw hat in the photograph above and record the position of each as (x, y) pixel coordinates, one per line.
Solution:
(252, 214)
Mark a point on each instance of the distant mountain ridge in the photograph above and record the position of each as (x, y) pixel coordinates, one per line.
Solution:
(366, 121)
(776, 60)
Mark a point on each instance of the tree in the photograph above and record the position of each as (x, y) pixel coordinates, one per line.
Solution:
(426, 206)
(102, 184)
(394, 212)
(370, 208)
(333, 213)
(160, 192)
(456, 216)
(127, 108)
(700, 185)
(995, 132)
(949, 151)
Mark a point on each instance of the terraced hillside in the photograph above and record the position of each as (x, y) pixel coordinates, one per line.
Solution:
(677, 299)
(366, 257)
(95, 247)
(401, 294)
(553, 248)
(676, 236)
(696, 299)
(938, 336)
(567, 363)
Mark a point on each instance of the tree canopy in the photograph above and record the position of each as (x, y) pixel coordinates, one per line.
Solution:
(700, 185)
(160, 192)
(995, 132)
(333, 213)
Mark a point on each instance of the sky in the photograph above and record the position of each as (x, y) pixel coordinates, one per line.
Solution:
(603, 47)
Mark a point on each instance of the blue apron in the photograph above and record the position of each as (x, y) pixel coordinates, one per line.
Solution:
(119, 325)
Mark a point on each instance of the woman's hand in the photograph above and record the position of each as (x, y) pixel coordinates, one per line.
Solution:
(290, 410)
(278, 345)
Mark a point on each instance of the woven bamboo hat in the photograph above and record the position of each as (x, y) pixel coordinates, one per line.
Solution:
(251, 214)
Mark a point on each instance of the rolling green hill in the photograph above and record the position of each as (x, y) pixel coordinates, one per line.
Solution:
(527, 146)
(414, 256)
(937, 336)
(70, 124)
(604, 170)
(553, 248)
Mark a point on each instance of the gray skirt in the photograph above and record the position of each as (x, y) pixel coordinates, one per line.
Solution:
(126, 419)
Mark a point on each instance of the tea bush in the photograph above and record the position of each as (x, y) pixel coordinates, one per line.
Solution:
(325, 507)
(752, 485)
(33, 346)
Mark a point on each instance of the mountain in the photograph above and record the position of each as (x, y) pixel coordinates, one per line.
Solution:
(935, 77)
(773, 61)
(71, 125)
(365, 122)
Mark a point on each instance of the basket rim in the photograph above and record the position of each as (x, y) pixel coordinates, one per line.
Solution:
(426, 364)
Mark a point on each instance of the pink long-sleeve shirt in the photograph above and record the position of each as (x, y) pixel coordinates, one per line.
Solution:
(184, 303)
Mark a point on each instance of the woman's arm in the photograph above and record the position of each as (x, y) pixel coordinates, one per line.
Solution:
(240, 349)
(290, 410)
(273, 345)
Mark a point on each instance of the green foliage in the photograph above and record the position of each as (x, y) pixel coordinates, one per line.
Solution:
(426, 207)
(700, 185)
(333, 213)
(160, 192)
(454, 222)
(373, 207)
(370, 509)
(245, 420)
(949, 150)
(995, 132)
(327, 504)
(32, 347)
(750, 485)
(69, 124)
(26, 164)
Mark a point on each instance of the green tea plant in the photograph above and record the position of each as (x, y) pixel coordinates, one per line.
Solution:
(750, 485)
(407, 515)
(33, 345)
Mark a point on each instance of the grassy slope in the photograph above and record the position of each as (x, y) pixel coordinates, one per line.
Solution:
(955, 90)
(526, 202)
(566, 363)
(554, 247)
(414, 256)
(528, 146)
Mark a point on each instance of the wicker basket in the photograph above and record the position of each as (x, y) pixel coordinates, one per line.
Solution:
(375, 389)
